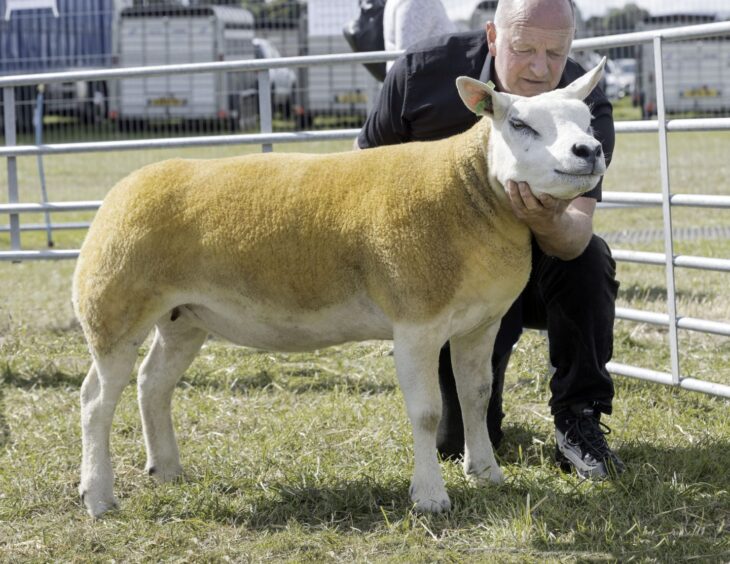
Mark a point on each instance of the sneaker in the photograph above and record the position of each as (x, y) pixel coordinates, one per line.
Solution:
(581, 445)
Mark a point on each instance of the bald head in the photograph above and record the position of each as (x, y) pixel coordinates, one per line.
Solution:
(530, 41)
(548, 14)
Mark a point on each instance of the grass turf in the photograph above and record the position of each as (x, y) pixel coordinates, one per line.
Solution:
(307, 457)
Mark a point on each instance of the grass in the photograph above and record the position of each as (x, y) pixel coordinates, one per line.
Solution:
(624, 109)
(307, 457)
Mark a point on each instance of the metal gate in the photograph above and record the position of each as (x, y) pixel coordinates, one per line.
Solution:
(266, 138)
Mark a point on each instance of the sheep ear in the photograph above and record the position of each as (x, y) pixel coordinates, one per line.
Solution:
(582, 86)
(481, 98)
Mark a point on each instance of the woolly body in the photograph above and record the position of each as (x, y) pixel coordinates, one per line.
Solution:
(266, 250)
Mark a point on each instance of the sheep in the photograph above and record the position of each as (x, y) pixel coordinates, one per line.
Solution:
(416, 243)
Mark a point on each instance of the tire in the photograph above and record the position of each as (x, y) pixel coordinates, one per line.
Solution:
(24, 108)
(92, 112)
(304, 121)
(286, 108)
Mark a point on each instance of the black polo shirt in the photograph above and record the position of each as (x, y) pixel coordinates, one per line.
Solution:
(419, 100)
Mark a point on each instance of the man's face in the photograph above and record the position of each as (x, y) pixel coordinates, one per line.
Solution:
(528, 59)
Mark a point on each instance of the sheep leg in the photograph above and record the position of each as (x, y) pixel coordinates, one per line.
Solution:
(174, 347)
(416, 362)
(100, 392)
(471, 356)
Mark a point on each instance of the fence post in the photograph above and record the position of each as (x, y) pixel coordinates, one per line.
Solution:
(666, 211)
(12, 164)
(38, 127)
(265, 113)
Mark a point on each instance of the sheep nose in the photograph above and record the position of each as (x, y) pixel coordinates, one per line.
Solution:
(583, 151)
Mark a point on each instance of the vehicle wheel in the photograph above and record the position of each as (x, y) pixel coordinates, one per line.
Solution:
(94, 109)
(24, 108)
(90, 113)
(24, 119)
(130, 125)
(231, 125)
(304, 121)
(286, 109)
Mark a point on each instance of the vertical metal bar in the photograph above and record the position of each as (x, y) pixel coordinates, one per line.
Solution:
(265, 113)
(38, 126)
(12, 164)
(666, 210)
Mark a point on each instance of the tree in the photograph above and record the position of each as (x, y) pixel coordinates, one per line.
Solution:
(617, 20)
(624, 20)
(276, 13)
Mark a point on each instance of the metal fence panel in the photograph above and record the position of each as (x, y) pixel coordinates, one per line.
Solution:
(268, 135)
(105, 34)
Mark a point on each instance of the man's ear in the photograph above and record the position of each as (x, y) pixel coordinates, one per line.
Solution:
(481, 98)
(491, 31)
(582, 86)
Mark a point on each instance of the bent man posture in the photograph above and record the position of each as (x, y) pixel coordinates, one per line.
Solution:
(572, 287)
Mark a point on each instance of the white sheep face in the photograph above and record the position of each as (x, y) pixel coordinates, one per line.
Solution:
(545, 140)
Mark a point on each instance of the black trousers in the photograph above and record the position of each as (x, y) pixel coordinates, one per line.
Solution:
(575, 301)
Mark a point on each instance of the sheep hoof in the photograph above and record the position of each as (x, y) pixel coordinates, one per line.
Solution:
(489, 475)
(433, 501)
(164, 475)
(433, 505)
(97, 507)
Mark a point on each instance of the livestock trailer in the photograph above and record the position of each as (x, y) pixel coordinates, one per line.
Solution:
(339, 90)
(176, 34)
(56, 36)
(696, 72)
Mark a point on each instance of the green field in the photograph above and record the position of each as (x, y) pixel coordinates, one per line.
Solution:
(307, 457)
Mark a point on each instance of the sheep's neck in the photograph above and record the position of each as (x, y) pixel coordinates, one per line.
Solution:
(471, 160)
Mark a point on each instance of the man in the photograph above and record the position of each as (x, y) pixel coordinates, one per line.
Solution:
(572, 287)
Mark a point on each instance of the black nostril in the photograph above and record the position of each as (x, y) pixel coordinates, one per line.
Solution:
(586, 152)
(582, 151)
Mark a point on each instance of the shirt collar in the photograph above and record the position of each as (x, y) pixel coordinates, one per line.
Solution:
(488, 69)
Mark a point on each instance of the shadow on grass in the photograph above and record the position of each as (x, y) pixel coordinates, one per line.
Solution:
(671, 502)
(651, 294)
(44, 377)
(297, 380)
(48, 377)
(4, 427)
(517, 439)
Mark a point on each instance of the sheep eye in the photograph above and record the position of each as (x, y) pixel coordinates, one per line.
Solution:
(519, 125)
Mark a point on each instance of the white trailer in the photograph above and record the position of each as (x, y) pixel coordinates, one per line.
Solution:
(696, 72)
(174, 34)
(335, 90)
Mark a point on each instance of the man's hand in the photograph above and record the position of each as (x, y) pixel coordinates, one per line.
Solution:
(562, 228)
(541, 212)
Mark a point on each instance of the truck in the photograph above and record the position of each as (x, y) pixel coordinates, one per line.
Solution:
(39, 36)
(168, 34)
(696, 78)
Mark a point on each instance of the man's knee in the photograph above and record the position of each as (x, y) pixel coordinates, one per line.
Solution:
(597, 253)
(593, 269)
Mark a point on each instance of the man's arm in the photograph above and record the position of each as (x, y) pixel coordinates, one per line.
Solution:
(385, 124)
(562, 228)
